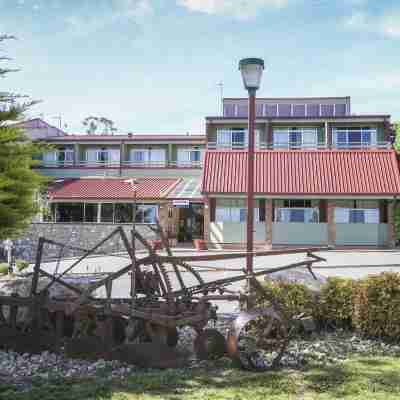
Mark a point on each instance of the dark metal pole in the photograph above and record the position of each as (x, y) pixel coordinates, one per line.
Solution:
(250, 180)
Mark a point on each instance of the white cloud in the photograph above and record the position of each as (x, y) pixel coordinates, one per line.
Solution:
(386, 25)
(240, 9)
(108, 13)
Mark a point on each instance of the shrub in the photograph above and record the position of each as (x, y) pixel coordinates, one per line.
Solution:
(377, 306)
(3, 268)
(21, 265)
(335, 305)
(294, 298)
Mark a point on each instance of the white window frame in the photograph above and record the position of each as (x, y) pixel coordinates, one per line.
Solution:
(287, 210)
(342, 215)
(346, 131)
(228, 144)
(285, 133)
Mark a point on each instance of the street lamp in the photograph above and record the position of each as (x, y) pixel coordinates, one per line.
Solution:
(133, 183)
(251, 70)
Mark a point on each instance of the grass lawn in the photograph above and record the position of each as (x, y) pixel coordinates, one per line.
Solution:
(360, 378)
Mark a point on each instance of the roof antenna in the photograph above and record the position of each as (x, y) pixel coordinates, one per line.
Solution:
(221, 97)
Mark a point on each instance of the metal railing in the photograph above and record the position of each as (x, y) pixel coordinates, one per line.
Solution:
(118, 164)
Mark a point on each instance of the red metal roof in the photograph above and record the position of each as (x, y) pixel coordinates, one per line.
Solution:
(324, 172)
(110, 189)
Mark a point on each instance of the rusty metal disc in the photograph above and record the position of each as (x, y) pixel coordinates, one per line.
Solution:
(209, 344)
(263, 352)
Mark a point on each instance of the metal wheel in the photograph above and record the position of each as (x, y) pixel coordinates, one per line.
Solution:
(209, 344)
(258, 339)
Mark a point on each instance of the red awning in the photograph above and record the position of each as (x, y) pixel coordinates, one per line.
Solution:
(301, 172)
(110, 189)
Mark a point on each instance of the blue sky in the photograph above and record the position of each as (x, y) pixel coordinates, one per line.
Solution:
(154, 65)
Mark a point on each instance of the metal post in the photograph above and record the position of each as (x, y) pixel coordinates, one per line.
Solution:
(250, 180)
(133, 272)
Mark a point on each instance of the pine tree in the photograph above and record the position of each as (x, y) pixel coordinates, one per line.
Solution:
(19, 184)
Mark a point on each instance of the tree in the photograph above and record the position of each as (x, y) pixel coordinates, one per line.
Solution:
(19, 184)
(92, 125)
(396, 129)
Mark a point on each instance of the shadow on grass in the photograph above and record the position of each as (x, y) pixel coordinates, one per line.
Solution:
(361, 378)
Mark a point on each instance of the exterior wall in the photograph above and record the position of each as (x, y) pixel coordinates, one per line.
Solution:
(235, 233)
(117, 172)
(79, 235)
(298, 233)
(361, 234)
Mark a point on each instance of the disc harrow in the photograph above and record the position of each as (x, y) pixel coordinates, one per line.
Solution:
(143, 328)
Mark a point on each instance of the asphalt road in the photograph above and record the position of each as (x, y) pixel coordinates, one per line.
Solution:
(354, 264)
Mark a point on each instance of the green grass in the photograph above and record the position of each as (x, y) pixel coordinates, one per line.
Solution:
(359, 379)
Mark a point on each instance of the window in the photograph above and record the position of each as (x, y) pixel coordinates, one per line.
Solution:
(230, 210)
(354, 137)
(146, 214)
(123, 213)
(69, 212)
(150, 156)
(356, 215)
(295, 138)
(107, 212)
(91, 212)
(102, 155)
(65, 155)
(235, 138)
(189, 157)
(297, 210)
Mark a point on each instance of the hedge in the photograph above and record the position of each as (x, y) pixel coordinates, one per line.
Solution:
(377, 306)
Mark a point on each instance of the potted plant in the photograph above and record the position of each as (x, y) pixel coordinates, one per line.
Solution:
(181, 234)
(156, 245)
(200, 244)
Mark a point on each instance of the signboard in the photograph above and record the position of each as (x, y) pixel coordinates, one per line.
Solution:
(181, 203)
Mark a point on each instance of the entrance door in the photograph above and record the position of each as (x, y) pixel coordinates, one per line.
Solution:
(191, 222)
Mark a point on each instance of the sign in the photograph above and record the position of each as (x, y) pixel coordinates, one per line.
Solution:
(181, 203)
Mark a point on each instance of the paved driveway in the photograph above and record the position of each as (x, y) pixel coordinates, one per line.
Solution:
(352, 264)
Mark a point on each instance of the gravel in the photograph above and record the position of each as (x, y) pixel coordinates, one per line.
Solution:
(319, 349)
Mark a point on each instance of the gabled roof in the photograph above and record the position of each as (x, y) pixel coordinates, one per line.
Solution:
(110, 189)
(301, 172)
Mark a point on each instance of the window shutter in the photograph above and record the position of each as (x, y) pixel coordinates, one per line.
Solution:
(212, 205)
(261, 208)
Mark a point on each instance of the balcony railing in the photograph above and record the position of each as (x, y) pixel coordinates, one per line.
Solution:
(302, 146)
(118, 164)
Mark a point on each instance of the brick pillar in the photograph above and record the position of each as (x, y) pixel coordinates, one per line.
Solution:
(331, 223)
(268, 223)
(391, 242)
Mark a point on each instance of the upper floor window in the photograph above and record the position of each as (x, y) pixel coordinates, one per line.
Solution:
(354, 137)
(189, 157)
(102, 156)
(60, 157)
(235, 138)
(295, 138)
(151, 157)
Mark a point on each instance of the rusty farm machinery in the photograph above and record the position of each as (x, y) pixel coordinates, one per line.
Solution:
(167, 293)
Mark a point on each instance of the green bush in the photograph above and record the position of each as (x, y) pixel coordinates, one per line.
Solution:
(335, 303)
(21, 265)
(3, 268)
(294, 298)
(377, 306)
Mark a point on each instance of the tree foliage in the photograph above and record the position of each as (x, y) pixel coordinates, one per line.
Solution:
(102, 125)
(19, 184)
(396, 128)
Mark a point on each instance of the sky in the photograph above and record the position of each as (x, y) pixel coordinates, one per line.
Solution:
(154, 66)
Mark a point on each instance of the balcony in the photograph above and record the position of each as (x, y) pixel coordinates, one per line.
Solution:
(119, 164)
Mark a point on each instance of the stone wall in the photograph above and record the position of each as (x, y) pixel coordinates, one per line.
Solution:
(79, 235)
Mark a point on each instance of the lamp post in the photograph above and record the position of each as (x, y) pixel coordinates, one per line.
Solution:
(133, 183)
(251, 70)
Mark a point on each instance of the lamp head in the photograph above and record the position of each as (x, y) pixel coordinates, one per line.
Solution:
(251, 70)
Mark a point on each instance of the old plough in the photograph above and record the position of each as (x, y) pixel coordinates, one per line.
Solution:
(167, 293)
